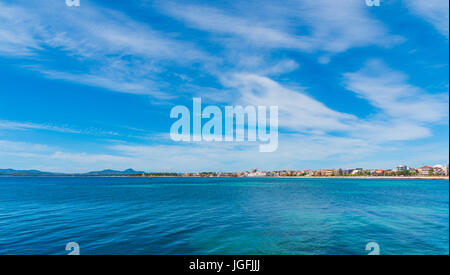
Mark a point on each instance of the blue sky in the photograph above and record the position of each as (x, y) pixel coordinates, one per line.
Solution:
(91, 87)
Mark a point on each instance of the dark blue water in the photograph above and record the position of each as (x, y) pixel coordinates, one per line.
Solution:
(223, 216)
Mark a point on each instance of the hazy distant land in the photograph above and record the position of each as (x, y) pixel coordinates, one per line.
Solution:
(134, 173)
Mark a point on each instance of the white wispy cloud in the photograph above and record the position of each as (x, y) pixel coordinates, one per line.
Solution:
(124, 55)
(297, 110)
(8, 126)
(15, 146)
(90, 32)
(14, 125)
(112, 82)
(435, 12)
(382, 131)
(402, 110)
(16, 39)
(280, 67)
(325, 26)
(390, 91)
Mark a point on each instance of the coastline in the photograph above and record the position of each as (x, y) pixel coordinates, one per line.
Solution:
(329, 177)
(367, 177)
(278, 177)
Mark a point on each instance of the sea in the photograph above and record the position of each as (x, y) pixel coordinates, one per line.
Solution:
(245, 216)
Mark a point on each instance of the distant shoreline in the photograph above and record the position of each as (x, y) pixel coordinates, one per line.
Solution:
(278, 177)
(376, 177)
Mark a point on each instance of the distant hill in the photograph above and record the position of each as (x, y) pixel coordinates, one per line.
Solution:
(108, 172)
(114, 172)
(12, 172)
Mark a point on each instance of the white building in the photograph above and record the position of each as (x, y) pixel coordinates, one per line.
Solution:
(440, 169)
(401, 168)
(356, 171)
(347, 171)
(256, 173)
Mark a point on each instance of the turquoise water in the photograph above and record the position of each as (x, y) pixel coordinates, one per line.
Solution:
(223, 216)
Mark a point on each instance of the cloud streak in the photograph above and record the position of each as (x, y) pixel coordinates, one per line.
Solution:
(389, 91)
(312, 26)
(402, 111)
(13, 125)
(124, 55)
(435, 12)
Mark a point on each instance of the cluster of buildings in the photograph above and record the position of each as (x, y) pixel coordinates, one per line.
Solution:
(436, 170)
(401, 170)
